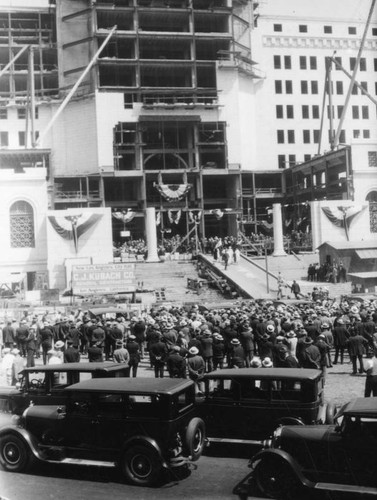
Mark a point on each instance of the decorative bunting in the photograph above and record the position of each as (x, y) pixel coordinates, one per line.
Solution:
(194, 218)
(343, 216)
(173, 192)
(73, 226)
(125, 215)
(174, 216)
(217, 213)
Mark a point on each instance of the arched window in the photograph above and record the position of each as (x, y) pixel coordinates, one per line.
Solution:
(22, 225)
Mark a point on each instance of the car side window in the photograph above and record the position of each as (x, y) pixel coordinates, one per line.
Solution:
(287, 390)
(110, 405)
(58, 381)
(254, 389)
(143, 405)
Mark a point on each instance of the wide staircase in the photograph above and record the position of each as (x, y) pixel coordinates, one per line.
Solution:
(169, 282)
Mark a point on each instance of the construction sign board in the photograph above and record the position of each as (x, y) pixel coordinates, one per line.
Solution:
(97, 279)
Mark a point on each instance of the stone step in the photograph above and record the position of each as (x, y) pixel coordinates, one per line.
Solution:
(169, 280)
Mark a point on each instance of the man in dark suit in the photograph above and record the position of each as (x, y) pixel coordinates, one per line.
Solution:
(95, 352)
(356, 348)
(176, 364)
(341, 335)
(133, 349)
(71, 354)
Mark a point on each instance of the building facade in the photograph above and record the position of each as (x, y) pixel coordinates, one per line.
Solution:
(209, 112)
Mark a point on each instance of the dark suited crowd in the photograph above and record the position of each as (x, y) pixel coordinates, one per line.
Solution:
(190, 341)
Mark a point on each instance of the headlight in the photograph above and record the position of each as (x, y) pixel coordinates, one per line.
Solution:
(276, 438)
(16, 419)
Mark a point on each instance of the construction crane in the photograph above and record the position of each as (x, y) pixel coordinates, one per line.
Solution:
(334, 138)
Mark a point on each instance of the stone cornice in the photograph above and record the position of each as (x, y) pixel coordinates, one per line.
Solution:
(298, 42)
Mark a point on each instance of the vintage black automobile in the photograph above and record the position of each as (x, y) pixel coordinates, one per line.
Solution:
(44, 384)
(327, 458)
(140, 425)
(246, 405)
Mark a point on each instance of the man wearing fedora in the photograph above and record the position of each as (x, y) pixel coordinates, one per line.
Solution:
(196, 369)
(176, 363)
(311, 356)
(237, 354)
(341, 335)
(133, 349)
(158, 352)
(121, 355)
(218, 351)
(206, 341)
(247, 342)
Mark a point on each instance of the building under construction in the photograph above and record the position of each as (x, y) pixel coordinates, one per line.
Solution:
(172, 110)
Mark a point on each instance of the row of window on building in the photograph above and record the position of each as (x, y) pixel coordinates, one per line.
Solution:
(313, 136)
(21, 113)
(311, 62)
(327, 29)
(287, 111)
(307, 87)
(4, 138)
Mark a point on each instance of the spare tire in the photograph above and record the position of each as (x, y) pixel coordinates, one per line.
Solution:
(195, 438)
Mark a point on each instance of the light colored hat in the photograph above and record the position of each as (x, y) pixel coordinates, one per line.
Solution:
(51, 351)
(132, 337)
(291, 334)
(267, 363)
(255, 363)
(194, 350)
(15, 351)
(6, 350)
(235, 342)
(270, 328)
(59, 344)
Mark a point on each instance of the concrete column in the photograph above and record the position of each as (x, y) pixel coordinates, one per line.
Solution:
(151, 234)
(278, 231)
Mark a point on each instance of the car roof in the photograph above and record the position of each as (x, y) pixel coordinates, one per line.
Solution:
(366, 407)
(266, 373)
(140, 385)
(76, 367)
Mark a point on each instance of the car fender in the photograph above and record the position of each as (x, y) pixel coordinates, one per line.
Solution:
(28, 438)
(286, 457)
(146, 441)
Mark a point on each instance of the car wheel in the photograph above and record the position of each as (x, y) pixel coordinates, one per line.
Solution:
(195, 438)
(330, 413)
(141, 465)
(275, 478)
(13, 453)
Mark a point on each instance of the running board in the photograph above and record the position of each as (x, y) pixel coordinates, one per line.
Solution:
(235, 441)
(347, 488)
(81, 461)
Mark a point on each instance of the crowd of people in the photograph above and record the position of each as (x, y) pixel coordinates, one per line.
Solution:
(327, 272)
(168, 244)
(190, 341)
